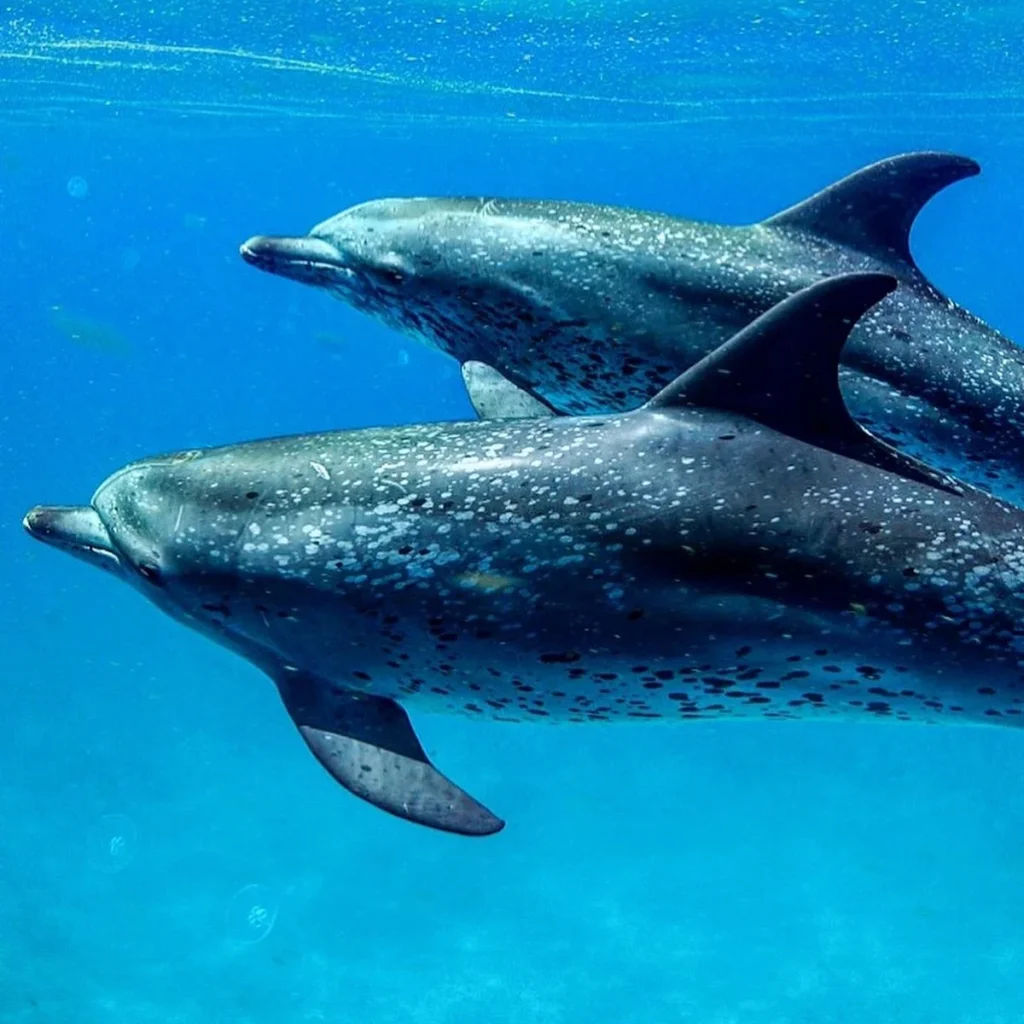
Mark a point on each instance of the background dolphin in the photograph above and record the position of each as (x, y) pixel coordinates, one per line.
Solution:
(594, 308)
(695, 558)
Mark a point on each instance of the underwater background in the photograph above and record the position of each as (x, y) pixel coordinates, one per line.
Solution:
(169, 851)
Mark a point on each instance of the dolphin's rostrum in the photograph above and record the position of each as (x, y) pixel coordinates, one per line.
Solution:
(594, 308)
(710, 555)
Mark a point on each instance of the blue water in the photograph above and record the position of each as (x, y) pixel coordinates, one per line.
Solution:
(713, 873)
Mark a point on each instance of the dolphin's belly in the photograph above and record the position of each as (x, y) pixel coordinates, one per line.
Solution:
(791, 666)
(737, 683)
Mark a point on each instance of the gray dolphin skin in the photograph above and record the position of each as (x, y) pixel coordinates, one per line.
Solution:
(494, 397)
(737, 547)
(594, 308)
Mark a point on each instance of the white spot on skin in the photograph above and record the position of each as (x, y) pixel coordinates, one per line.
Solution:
(321, 470)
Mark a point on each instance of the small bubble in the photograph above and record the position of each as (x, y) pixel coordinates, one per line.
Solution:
(250, 915)
(78, 188)
(113, 842)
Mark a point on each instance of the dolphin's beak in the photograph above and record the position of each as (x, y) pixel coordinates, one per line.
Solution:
(311, 260)
(77, 529)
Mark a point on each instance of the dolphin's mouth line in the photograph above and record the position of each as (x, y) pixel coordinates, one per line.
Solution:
(294, 256)
(265, 260)
(77, 529)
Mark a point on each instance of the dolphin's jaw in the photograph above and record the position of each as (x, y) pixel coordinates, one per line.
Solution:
(77, 529)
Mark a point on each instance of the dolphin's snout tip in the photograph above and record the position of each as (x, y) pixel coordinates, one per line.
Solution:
(254, 250)
(37, 521)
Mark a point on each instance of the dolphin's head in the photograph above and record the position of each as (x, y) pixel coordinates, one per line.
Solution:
(436, 268)
(141, 526)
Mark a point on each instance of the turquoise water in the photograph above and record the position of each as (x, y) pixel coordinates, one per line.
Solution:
(712, 873)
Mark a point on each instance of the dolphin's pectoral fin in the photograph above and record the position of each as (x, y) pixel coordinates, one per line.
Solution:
(495, 397)
(874, 208)
(368, 744)
(783, 371)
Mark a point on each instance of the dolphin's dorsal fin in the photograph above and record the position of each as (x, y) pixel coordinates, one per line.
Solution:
(873, 209)
(495, 397)
(783, 371)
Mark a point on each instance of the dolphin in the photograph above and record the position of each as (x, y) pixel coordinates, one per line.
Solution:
(594, 308)
(736, 547)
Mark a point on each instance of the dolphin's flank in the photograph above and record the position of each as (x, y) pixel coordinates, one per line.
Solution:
(737, 547)
(594, 308)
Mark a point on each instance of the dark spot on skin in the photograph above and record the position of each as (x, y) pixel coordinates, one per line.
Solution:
(563, 657)
(252, 495)
(636, 613)
(986, 691)
(365, 676)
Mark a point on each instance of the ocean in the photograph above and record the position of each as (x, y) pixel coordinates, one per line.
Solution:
(169, 851)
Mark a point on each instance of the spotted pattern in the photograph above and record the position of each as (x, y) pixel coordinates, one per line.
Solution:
(595, 308)
(673, 565)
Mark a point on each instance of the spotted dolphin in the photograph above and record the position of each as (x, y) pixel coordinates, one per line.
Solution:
(739, 546)
(594, 308)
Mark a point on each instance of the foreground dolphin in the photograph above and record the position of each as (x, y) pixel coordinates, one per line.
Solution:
(696, 558)
(594, 308)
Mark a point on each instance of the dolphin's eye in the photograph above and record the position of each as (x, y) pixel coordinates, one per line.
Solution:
(150, 572)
